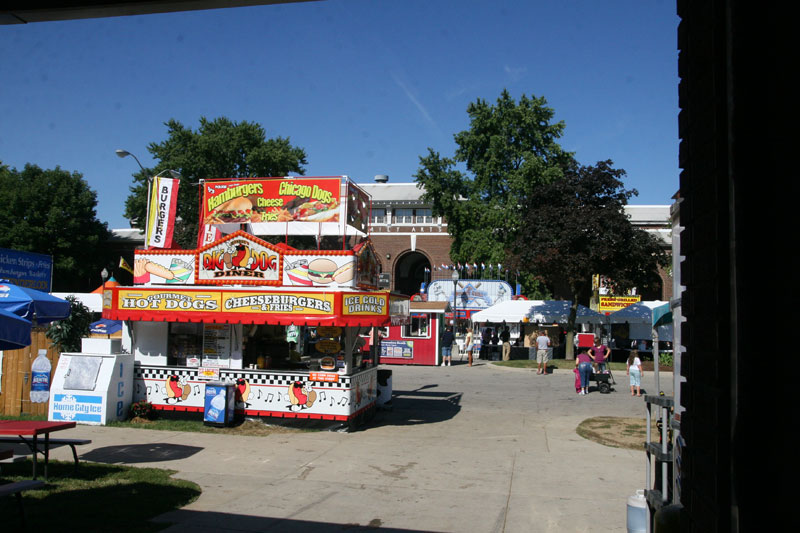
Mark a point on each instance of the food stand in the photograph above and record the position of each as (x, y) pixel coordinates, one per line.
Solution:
(418, 342)
(281, 323)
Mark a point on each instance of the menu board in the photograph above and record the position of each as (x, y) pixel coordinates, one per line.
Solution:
(216, 343)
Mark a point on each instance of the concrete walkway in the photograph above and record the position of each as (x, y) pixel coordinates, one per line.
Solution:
(483, 449)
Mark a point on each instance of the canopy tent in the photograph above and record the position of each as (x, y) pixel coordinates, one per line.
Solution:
(556, 311)
(653, 314)
(36, 306)
(509, 311)
(15, 332)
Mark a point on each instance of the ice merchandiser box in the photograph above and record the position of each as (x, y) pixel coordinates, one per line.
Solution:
(91, 388)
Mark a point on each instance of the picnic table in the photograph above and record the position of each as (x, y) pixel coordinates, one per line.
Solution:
(32, 429)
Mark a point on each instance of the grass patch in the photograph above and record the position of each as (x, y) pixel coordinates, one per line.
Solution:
(617, 432)
(98, 497)
(252, 428)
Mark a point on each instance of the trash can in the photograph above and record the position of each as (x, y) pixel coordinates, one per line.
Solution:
(384, 398)
(220, 401)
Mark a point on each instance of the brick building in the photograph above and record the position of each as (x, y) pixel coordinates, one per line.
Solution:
(409, 239)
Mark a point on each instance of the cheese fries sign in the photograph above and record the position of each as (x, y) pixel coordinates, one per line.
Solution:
(239, 258)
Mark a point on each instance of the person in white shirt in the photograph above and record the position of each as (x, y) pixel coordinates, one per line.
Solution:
(542, 344)
(635, 372)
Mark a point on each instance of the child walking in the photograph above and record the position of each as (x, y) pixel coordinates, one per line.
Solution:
(634, 372)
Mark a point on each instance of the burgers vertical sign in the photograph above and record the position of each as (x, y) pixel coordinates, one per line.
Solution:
(161, 212)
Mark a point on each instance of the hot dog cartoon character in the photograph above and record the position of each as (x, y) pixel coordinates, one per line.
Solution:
(176, 390)
(242, 391)
(301, 395)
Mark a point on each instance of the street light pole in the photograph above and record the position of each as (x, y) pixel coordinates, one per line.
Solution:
(455, 301)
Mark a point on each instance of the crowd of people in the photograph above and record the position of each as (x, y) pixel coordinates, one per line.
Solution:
(588, 360)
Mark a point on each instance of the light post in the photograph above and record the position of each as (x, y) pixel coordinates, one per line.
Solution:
(455, 301)
(104, 275)
(174, 173)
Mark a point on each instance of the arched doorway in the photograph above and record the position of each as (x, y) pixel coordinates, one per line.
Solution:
(409, 272)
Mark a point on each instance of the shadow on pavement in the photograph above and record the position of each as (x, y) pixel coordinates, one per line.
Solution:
(419, 406)
(140, 453)
(205, 521)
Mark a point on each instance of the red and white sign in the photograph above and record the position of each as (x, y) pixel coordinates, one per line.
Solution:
(239, 258)
(163, 204)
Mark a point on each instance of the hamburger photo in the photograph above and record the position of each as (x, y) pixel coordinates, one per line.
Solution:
(237, 210)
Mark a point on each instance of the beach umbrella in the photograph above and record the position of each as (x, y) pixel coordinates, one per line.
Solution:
(15, 332)
(32, 305)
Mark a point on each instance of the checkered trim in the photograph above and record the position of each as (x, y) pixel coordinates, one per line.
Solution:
(161, 373)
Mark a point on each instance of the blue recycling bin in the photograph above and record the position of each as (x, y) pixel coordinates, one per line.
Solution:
(219, 404)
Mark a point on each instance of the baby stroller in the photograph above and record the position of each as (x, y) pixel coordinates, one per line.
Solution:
(604, 380)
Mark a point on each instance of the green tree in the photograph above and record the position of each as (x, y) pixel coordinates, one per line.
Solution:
(67, 333)
(509, 148)
(576, 227)
(219, 149)
(53, 212)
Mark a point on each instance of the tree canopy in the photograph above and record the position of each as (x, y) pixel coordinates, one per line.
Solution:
(53, 212)
(219, 149)
(576, 227)
(509, 149)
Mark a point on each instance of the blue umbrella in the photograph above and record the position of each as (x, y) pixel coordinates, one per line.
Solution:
(31, 304)
(15, 332)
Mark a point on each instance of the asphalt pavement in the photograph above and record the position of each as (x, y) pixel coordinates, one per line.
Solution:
(463, 449)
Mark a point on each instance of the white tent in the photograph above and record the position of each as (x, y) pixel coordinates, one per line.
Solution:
(510, 311)
(535, 311)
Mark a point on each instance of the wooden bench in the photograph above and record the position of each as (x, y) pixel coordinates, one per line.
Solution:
(53, 443)
(17, 488)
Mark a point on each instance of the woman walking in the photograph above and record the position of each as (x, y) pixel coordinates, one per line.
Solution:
(635, 372)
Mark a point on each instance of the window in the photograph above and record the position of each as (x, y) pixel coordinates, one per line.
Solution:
(379, 216)
(423, 216)
(419, 326)
(403, 216)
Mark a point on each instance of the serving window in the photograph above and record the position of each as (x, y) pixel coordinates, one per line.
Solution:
(418, 327)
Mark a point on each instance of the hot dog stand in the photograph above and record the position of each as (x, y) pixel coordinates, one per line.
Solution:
(281, 323)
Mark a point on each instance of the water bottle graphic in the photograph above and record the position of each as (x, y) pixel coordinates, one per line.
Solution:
(40, 378)
(216, 413)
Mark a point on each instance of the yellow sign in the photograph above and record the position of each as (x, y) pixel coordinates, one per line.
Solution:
(364, 304)
(168, 300)
(609, 304)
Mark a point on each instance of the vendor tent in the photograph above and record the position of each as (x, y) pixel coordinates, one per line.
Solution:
(556, 311)
(646, 315)
(508, 311)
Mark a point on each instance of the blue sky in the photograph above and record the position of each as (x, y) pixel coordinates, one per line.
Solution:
(365, 87)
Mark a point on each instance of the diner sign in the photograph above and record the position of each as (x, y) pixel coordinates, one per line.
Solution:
(239, 258)
(158, 300)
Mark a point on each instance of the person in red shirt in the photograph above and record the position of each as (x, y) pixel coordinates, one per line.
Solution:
(601, 354)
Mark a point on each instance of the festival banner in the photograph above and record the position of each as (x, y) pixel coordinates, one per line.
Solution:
(272, 200)
(162, 206)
